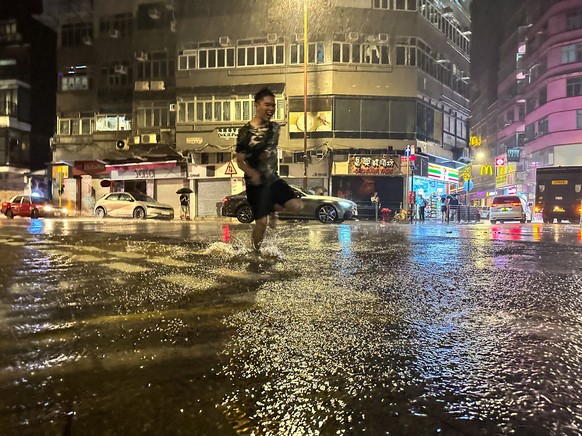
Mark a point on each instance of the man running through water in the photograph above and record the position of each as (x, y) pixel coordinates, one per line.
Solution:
(256, 156)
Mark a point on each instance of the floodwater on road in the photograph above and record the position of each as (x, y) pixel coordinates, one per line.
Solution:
(113, 327)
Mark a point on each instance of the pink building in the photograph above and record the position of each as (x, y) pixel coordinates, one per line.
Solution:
(540, 97)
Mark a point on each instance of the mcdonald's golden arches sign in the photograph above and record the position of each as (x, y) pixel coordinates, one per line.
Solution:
(486, 170)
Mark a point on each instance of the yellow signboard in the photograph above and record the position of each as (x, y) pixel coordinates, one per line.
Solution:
(486, 170)
(474, 141)
(559, 182)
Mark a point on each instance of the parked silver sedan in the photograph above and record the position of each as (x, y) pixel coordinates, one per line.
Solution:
(324, 208)
(132, 205)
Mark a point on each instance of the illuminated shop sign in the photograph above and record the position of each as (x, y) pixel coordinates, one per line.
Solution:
(443, 173)
(513, 154)
(486, 170)
(316, 121)
(372, 164)
(227, 132)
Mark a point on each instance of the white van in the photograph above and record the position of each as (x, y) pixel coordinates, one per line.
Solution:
(510, 208)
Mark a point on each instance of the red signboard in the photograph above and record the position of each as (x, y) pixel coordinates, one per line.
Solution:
(373, 164)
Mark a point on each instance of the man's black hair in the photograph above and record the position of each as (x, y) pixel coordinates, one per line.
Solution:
(264, 92)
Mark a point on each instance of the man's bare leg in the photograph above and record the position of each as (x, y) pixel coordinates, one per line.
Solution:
(292, 206)
(259, 232)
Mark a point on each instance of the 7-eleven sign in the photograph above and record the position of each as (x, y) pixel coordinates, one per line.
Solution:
(443, 173)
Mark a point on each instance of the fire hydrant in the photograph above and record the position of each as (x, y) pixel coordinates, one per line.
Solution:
(385, 212)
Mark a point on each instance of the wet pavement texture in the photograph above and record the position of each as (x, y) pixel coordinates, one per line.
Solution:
(124, 327)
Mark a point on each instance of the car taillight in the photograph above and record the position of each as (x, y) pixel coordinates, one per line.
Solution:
(494, 204)
(538, 209)
(224, 200)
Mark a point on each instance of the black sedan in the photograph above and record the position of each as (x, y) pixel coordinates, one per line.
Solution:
(320, 207)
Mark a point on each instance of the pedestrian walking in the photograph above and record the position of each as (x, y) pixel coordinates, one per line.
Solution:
(421, 208)
(445, 209)
(256, 156)
(454, 205)
(184, 206)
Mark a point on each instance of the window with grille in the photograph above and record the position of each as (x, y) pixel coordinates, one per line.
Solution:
(316, 53)
(574, 20)
(220, 109)
(72, 34)
(574, 86)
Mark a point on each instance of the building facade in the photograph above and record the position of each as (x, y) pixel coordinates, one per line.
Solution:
(151, 95)
(535, 119)
(27, 98)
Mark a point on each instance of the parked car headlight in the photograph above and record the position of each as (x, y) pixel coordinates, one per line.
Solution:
(346, 204)
(48, 208)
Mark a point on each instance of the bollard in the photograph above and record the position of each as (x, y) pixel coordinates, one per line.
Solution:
(385, 212)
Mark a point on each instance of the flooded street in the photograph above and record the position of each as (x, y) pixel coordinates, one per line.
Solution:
(124, 327)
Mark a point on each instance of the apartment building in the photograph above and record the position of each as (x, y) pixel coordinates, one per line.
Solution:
(27, 113)
(535, 119)
(151, 95)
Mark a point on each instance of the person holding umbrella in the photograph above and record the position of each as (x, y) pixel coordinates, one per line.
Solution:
(184, 202)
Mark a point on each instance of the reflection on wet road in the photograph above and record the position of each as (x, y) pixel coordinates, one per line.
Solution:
(174, 328)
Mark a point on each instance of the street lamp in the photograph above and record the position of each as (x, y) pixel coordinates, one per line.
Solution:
(305, 56)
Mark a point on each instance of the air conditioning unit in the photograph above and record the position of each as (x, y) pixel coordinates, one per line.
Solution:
(141, 56)
(272, 38)
(353, 36)
(224, 41)
(149, 138)
(121, 145)
(120, 69)
(87, 40)
(114, 33)
(154, 14)
(382, 38)
(172, 107)
(157, 85)
(142, 85)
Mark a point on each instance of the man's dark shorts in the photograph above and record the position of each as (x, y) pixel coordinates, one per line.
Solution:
(262, 198)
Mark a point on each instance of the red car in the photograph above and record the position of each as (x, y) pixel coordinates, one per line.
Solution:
(33, 207)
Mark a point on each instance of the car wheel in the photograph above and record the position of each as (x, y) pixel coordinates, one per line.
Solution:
(244, 214)
(492, 221)
(139, 213)
(100, 213)
(9, 214)
(34, 214)
(326, 213)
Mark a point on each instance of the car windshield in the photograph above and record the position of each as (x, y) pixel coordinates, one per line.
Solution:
(142, 197)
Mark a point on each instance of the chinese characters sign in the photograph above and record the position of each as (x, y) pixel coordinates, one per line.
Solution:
(373, 164)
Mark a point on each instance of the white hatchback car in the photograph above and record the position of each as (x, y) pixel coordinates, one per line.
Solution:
(509, 208)
(132, 205)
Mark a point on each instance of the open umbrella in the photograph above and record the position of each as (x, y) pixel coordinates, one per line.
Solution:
(184, 191)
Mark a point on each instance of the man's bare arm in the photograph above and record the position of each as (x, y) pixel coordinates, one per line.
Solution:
(252, 173)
